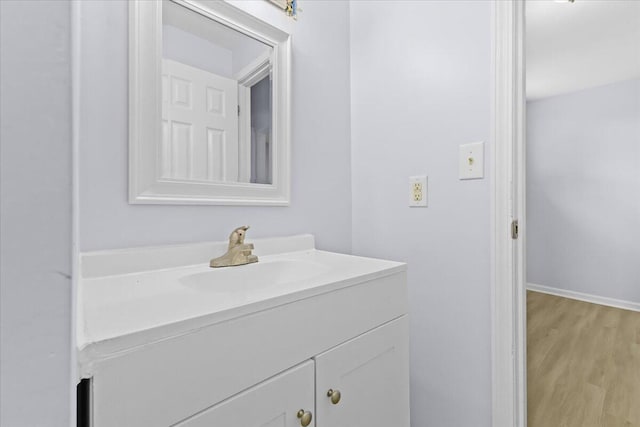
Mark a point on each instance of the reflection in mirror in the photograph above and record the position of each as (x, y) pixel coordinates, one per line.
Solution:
(217, 101)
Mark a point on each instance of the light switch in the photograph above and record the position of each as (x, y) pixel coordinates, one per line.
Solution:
(418, 191)
(472, 161)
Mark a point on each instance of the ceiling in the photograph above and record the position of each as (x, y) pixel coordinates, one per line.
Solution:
(575, 46)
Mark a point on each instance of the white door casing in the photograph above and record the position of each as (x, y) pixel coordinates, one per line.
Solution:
(248, 77)
(199, 124)
(509, 388)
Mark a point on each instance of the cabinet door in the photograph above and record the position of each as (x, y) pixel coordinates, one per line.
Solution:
(371, 373)
(272, 403)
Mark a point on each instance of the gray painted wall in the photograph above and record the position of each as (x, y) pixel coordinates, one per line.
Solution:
(421, 86)
(261, 135)
(35, 214)
(321, 190)
(583, 191)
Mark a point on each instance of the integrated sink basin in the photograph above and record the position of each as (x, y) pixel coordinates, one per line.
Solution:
(256, 277)
(134, 297)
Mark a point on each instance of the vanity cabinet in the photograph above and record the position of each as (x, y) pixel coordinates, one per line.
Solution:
(159, 353)
(272, 403)
(363, 382)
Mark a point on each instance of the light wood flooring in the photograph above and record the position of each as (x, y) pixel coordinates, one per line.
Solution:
(583, 364)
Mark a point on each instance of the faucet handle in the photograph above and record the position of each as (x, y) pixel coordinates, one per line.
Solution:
(237, 236)
(239, 253)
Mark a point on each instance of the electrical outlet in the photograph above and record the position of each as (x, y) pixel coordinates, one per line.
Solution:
(418, 191)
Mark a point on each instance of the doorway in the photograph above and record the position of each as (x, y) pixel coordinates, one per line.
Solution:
(510, 208)
(583, 243)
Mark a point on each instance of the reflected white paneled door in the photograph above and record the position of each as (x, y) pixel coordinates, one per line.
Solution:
(371, 373)
(199, 124)
(273, 403)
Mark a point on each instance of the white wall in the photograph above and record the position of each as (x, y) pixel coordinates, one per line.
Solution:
(321, 190)
(189, 49)
(583, 190)
(420, 87)
(420, 83)
(35, 214)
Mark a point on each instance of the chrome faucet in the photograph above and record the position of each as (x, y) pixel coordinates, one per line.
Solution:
(239, 252)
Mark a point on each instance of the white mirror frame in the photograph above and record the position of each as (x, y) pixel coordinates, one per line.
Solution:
(145, 94)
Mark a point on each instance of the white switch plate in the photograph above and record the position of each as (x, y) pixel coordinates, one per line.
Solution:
(418, 191)
(471, 161)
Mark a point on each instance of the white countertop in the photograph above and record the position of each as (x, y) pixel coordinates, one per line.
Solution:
(133, 307)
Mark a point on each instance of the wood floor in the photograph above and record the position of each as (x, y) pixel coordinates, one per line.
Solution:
(583, 364)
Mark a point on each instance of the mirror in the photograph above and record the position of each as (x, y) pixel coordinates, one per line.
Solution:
(216, 100)
(209, 105)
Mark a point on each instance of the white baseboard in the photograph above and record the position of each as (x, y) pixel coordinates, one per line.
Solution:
(595, 299)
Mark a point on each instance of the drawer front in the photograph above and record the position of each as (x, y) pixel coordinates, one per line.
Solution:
(165, 382)
(272, 403)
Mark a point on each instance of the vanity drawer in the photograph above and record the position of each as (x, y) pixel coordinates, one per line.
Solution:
(164, 382)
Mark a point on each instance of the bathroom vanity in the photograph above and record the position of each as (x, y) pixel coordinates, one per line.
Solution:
(302, 337)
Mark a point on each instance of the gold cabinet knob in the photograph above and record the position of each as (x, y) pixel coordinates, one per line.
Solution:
(305, 417)
(334, 395)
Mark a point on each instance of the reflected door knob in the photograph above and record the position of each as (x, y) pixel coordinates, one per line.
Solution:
(334, 395)
(305, 417)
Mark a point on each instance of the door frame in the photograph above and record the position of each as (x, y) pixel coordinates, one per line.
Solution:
(249, 76)
(509, 386)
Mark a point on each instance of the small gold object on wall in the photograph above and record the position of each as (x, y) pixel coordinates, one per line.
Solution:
(289, 6)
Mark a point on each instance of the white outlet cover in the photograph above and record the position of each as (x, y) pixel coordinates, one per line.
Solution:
(471, 162)
(422, 181)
